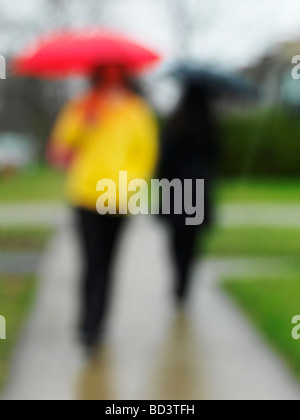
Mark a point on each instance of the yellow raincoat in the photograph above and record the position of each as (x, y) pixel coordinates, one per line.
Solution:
(106, 133)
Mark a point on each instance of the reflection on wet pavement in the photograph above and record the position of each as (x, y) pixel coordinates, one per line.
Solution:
(173, 371)
(97, 380)
(177, 374)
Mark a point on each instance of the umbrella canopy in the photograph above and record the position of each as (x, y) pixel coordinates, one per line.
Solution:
(74, 52)
(213, 82)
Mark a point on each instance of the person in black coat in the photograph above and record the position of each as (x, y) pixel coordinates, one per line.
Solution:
(189, 151)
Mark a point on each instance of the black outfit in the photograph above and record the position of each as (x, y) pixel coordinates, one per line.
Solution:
(189, 151)
(98, 236)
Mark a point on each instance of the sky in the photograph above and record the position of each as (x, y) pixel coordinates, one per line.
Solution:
(229, 33)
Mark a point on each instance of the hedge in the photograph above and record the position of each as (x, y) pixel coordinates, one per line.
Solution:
(261, 142)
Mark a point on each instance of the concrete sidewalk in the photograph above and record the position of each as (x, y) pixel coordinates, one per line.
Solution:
(19, 262)
(57, 214)
(211, 352)
(34, 214)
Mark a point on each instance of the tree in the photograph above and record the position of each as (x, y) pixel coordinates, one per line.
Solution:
(188, 18)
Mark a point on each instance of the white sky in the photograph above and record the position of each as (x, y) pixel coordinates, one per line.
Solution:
(231, 33)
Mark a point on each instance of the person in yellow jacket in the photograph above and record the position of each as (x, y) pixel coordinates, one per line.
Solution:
(105, 131)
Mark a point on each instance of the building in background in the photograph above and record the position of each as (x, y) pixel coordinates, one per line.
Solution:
(16, 152)
(273, 73)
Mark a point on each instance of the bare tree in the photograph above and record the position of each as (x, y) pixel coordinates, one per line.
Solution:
(188, 18)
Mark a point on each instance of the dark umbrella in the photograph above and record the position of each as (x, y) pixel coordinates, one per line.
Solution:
(214, 83)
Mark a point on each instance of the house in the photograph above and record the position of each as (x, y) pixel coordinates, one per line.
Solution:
(273, 73)
(16, 151)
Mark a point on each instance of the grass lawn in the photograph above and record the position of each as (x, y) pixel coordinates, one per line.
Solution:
(16, 298)
(42, 183)
(271, 305)
(253, 241)
(37, 183)
(17, 292)
(260, 191)
(24, 238)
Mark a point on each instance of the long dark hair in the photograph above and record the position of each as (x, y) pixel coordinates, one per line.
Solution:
(193, 122)
(130, 82)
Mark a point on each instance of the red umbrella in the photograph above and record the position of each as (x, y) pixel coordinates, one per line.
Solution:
(73, 52)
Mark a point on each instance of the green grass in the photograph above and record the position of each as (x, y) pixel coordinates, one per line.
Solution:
(260, 191)
(42, 183)
(24, 238)
(37, 183)
(17, 292)
(253, 242)
(271, 305)
(16, 298)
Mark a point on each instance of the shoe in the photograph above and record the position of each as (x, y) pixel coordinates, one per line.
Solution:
(92, 340)
(91, 343)
(181, 298)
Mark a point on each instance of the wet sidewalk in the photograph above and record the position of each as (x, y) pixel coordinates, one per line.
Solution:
(151, 351)
(228, 215)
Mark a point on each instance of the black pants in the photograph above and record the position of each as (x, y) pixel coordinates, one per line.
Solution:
(98, 236)
(183, 243)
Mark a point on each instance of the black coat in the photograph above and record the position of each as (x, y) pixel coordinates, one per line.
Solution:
(190, 149)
